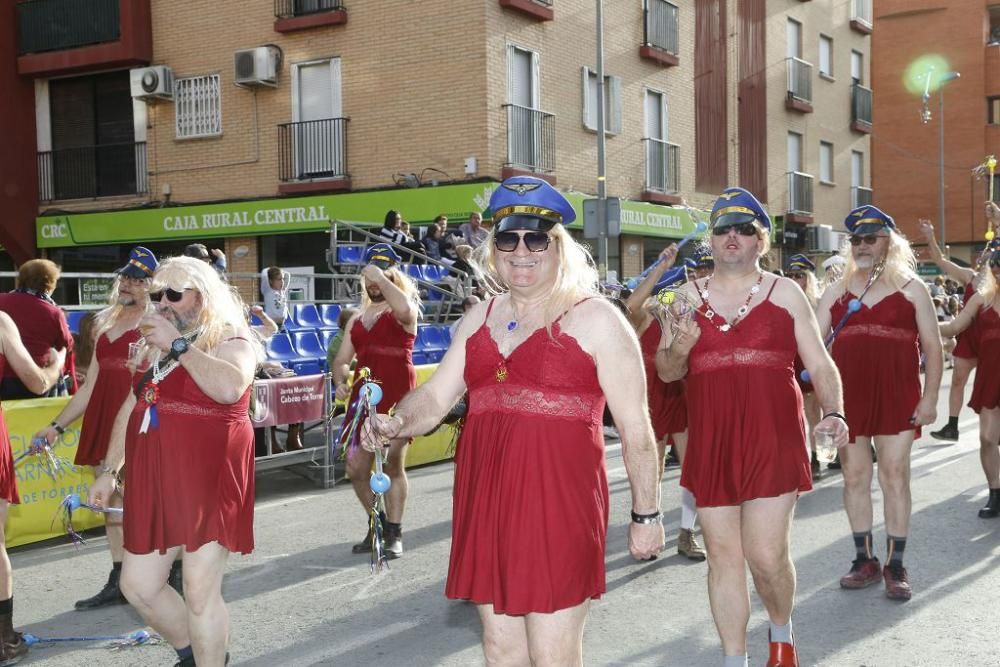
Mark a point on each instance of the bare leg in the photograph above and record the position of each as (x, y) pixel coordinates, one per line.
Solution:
(857, 466)
(207, 615)
(727, 580)
(6, 571)
(395, 468)
(989, 439)
(359, 467)
(813, 412)
(144, 583)
(113, 529)
(505, 638)
(894, 478)
(556, 639)
(767, 529)
(959, 378)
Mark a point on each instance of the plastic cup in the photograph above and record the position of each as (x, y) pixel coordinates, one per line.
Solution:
(826, 451)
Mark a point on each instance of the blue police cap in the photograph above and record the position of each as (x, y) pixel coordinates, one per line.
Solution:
(526, 202)
(381, 255)
(868, 219)
(141, 263)
(736, 206)
(703, 258)
(800, 263)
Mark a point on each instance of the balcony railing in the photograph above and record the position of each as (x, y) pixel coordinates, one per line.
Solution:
(800, 193)
(107, 170)
(861, 11)
(531, 139)
(53, 25)
(860, 196)
(861, 104)
(286, 9)
(660, 26)
(312, 149)
(662, 166)
(799, 79)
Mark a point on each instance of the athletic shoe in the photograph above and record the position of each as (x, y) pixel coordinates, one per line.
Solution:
(949, 433)
(687, 545)
(897, 582)
(864, 572)
(672, 460)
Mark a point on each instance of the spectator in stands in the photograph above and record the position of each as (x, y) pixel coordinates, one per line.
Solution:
(467, 304)
(434, 244)
(42, 325)
(331, 350)
(937, 287)
(392, 231)
(473, 232)
(274, 284)
(449, 238)
(216, 257)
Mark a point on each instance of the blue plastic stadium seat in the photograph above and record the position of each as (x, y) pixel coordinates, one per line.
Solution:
(349, 254)
(279, 348)
(73, 318)
(433, 339)
(414, 271)
(307, 368)
(330, 313)
(434, 356)
(307, 315)
(445, 330)
(433, 273)
(307, 345)
(255, 321)
(325, 336)
(419, 357)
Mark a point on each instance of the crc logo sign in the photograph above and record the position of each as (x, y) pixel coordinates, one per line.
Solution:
(55, 230)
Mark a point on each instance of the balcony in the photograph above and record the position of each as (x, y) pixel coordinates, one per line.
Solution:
(800, 198)
(861, 109)
(531, 142)
(57, 37)
(799, 88)
(660, 41)
(87, 172)
(540, 10)
(860, 196)
(293, 15)
(312, 156)
(861, 16)
(663, 173)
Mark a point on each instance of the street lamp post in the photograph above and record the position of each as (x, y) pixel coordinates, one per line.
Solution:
(925, 116)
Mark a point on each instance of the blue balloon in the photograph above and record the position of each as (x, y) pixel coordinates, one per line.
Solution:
(29, 639)
(72, 501)
(804, 375)
(379, 482)
(853, 305)
(372, 391)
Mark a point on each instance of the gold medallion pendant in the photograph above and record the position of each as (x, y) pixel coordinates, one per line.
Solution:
(501, 373)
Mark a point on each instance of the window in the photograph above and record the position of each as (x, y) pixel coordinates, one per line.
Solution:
(793, 49)
(662, 173)
(661, 25)
(825, 162)
(794, 151)
(198, 106)
(522, 77)
(318, 138)
(656, 115)
(825, 56)
(993, 110)
(612, 102)
(857, 169)
(858, 67)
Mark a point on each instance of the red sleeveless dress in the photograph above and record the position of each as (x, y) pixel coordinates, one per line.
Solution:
(530, 512)
(878, 354)
(967, 342)
(386, 350)
(113, 382)
(986, 386)
(667, 405)
(746, 436)
(190, 480)
(8, 479)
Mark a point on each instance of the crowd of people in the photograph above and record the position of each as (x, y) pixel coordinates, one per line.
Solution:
(736, 368)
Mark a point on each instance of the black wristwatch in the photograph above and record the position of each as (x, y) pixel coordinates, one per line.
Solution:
(178, 347)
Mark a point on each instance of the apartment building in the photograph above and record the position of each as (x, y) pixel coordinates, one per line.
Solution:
(932, 134)
(249, 125)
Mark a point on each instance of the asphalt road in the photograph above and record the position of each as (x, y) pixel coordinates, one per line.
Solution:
(303, 599)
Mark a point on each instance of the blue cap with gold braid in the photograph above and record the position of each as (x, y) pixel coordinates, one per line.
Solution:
(526, 202)
(868, 219)
(141, 263)
(381, 255)
(800, 263)
(736, 206)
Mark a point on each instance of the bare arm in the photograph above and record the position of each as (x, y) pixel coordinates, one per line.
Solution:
(105, 483)
(77, 404)
(268, 327)
(962, 274)
(637, 317)
(403, 309)
(675, 348)
(37, 379)
(964, 319)
(930, 344)
(341, 366)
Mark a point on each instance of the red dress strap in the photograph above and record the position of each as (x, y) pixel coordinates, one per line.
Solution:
(768, 297)
(489, 307)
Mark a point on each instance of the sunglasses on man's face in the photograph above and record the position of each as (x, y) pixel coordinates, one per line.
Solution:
(743, 229)
(796, 275)
(533, 241)
(173, 296)
(869, 239)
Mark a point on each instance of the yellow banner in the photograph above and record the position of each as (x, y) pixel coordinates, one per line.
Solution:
(37, 517)
(433, 446)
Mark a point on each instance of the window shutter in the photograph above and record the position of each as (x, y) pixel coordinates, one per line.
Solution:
(589, 106)
(614, 92)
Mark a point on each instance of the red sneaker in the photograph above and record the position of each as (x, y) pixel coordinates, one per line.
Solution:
(864, 572)
(782, 655)
(897, 582)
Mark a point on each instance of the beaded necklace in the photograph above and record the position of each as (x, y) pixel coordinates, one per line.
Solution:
(740, 313)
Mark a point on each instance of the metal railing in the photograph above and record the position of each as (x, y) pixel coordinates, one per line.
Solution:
(531, 138)
(52, 25)
(861, 104)
(312, 149)
(861, 11)
(662, 166)
(800, 193)
(860, 196)
(286, 9)
(799, 79)
(660, 26)
(105, 170)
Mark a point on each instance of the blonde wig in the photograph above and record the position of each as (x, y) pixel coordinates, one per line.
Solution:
(900, 263)
(400, 280)
(576, 277)
(987, 285)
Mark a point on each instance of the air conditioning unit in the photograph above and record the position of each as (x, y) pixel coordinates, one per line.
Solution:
(822, 238)
(156, 82)
(257, 67)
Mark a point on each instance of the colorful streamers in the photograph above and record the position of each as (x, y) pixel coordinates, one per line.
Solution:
(52, 465)
(137, 638)
(71, 503)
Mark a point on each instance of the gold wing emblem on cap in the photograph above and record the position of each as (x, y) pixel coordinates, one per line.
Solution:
(139, 253)
(729, 195)
(860, 212)
(522, 188)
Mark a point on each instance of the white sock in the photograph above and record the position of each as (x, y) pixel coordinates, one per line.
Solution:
(689, 513)
(735, 661)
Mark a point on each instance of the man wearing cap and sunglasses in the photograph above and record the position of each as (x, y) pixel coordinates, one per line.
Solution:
(746, 459)
(801, 270)
(381, 339)
(531, 495)
(886, 319)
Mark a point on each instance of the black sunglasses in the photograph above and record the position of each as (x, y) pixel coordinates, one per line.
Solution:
(870, 239)
(743, 229)
(533, 241)
(173, 296)
(796, 275)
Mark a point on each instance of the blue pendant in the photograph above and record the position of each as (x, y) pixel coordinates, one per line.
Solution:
(511, 325)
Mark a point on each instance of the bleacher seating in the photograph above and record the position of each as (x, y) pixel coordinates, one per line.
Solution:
(307, 344)
(73, 318)
(279, 348)
(330, 313)
(306, 315)
(307, 368)
(325, 336)
(350, 254)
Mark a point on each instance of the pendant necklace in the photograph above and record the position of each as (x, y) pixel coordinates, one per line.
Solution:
(743, 310)
(151, 394)
(501, 372)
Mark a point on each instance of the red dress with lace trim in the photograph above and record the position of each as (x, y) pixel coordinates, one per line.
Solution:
(112, 385)
(967, 342)
(8, 480)
(746, 436)
(878, 354)
(530, 510)
(986, 386)
(386, 350)
(667, 405)
(189, 480)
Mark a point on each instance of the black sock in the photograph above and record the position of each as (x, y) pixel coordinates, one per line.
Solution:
(176, 565)
(895, 546)
(7, 606)
(116, 566)
(952, 422)
(185, 653)
(389, 525)
(863, 544)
